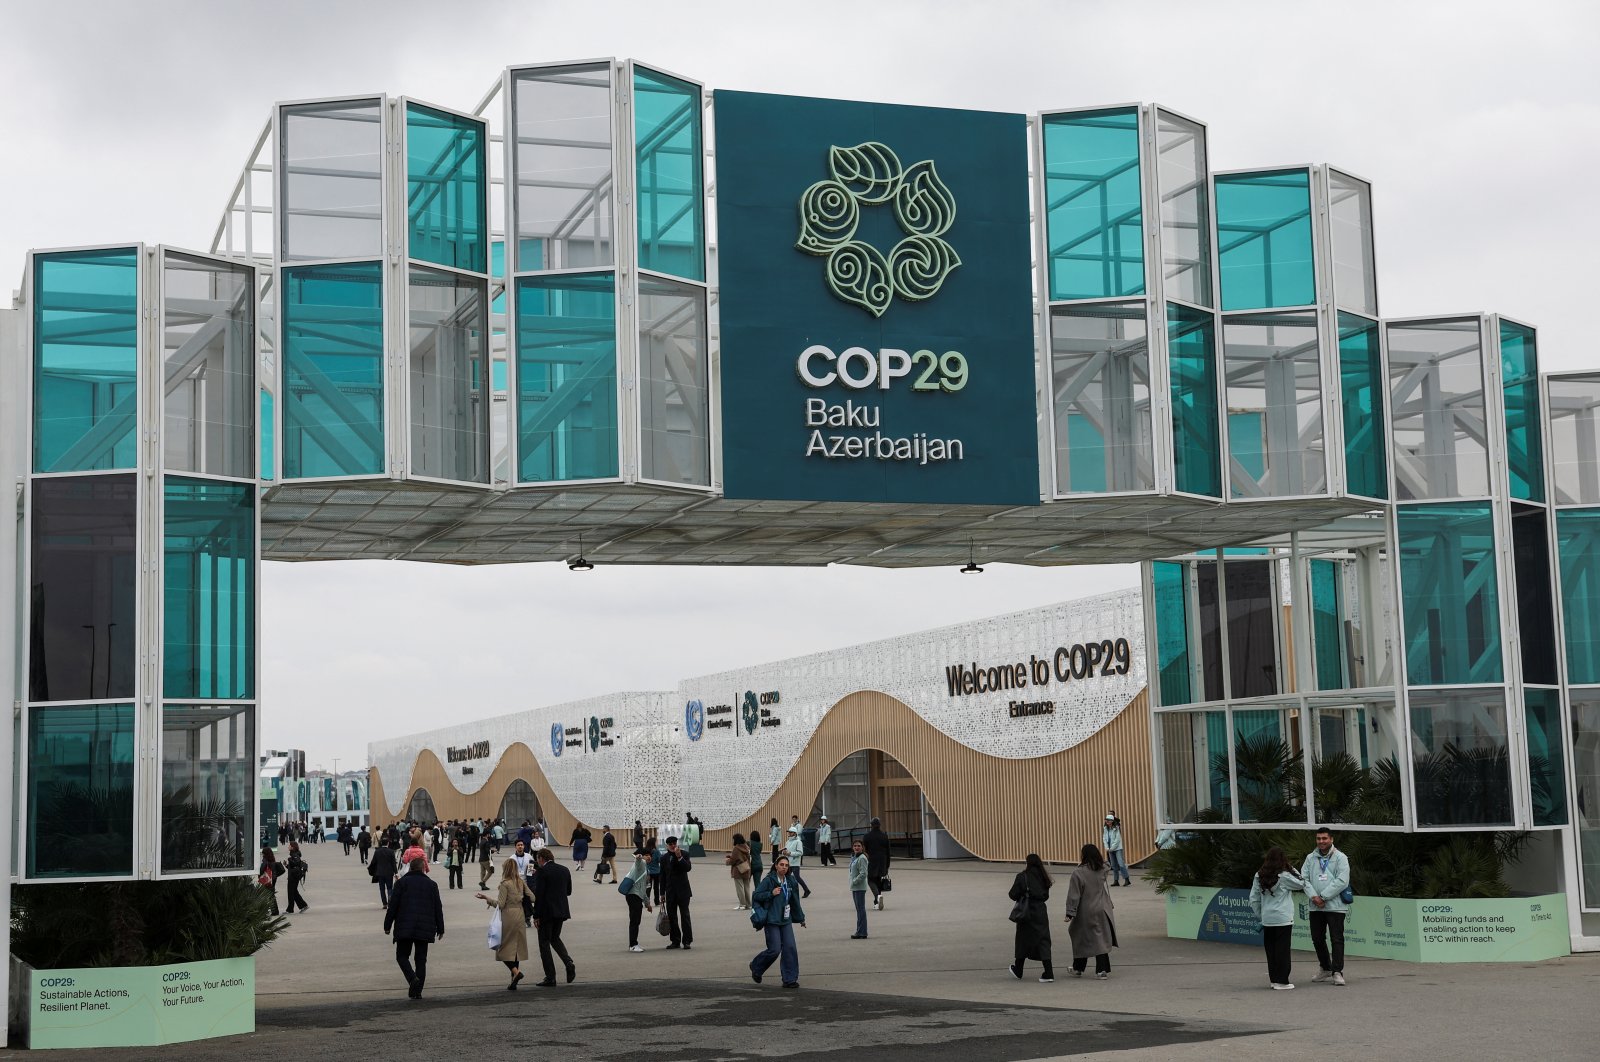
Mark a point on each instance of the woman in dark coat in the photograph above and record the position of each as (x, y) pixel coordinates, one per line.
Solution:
(1033, 931)
(1089, 910)
(268, 873)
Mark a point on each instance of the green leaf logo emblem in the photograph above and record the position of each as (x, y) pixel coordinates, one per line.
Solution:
(870, 174)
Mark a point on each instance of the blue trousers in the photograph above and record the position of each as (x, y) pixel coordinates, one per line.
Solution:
(1118, 866)
(861, 911)
(780, 945)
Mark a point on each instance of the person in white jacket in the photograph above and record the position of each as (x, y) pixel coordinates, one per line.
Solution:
(1111, 841)
(1326, 872)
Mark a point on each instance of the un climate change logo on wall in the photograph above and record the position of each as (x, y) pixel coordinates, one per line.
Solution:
(694, 719)
(557, 739)
(751, 712)
(594, 733)
(869, 175)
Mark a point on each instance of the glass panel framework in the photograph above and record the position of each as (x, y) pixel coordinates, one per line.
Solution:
(446, 189)
(209, 394)
(1461, 757)
(1185, 208)
(1519, 381)
(562, 167)
(208, 779)
(85, 360)
(674, 396)
(1578, 547)
(1264, 239)
(209, 589)
(447, 376)
(566, 377)
(333, 373)
(1355, 275)
(80, 791)
(1276, 444)
(1450, 595)
(1574, 427)
(668, 164)
(1361, 396)
(1094, 210)
(330, 173)
(1192, 367)
(1100, 391)
(1586, 784)
(1438, 417)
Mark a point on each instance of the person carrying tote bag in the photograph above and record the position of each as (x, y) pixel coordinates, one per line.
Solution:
(1031, 892)
(507, 900)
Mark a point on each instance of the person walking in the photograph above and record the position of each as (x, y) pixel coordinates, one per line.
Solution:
(1111, 840)
(1030, 890)
(738, 860)
(858, 887)
(775, 838)
(638, 895)
(580, 845)
(268, 873)
(455, 861)
(754, 841)
(297, 875)
(527, 867)
(485, 859)
(551, 911)
(1326, 873)
(796, 849)
(382, 870)
(363, 844)
(653, 868)
(413, 853)
(825, 844)
(416, 917)
(608, 856)
(638, 835)
(778, 904)
(1272, 899)
(876, 844)
(1089, 909)
(508, 900)
(675, 888)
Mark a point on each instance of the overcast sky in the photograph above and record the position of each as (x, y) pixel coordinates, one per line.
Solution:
(129, 121)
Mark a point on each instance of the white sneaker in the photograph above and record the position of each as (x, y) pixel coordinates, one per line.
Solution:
(1338, 979)
(1282, 988)
(636, 948)
(1322, 975)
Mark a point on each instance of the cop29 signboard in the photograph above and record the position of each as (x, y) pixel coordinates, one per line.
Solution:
(876, 303)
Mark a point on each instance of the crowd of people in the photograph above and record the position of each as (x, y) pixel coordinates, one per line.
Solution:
(530, 889)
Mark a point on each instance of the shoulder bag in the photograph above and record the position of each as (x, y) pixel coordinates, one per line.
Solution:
(1019, 910)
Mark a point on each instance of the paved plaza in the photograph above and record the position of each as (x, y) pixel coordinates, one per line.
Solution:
(931, 976)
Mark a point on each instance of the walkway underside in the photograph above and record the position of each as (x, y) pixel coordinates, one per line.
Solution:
(392, 520)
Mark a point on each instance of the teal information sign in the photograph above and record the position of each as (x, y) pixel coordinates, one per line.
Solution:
(141, 1006)
(1508, 929)
(876, 302)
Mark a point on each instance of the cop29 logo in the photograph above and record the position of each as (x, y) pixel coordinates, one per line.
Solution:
(694, 719)
(869, 175)
(557, 739)
(751, 711)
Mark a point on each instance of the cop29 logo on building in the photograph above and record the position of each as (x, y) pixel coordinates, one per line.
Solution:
(557, 739)
(870, 175)
(694, 719)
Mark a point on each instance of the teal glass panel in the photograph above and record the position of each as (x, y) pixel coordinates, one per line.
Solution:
(566, 377)
(1085, 459)
(1366, 470)
(446, 204)
(1519, 377)
(1269, 764)
(1461, 758)
(84, 575)
(497, 270)
(498, 374)
(671, 202)
(80, 791)
(1193, 768)
(269, 428)
(333, 370)
(208, 782)
(85, 358)
(1448, 595)
(1327, 623)
(1586, 785)
(209, 589)
(1093, 204)
(1264, 240)
(1192, 361)
(1536, 606)
(1100, 386)
(1547, 776)
(1172, 631)
(1578, 545)
(1247, 444)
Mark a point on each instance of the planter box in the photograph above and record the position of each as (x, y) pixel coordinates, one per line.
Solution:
(1513, 929)
(140, 1006)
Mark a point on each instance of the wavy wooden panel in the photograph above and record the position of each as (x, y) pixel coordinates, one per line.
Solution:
(996, 808)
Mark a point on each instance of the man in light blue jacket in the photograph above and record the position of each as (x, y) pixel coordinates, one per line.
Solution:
(1326, 872)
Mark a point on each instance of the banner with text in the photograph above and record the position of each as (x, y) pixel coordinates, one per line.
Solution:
(1509, 929)
(876, 302)
(141, 1006)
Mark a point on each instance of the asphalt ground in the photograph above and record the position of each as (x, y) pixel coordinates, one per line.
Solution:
(931, 977)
